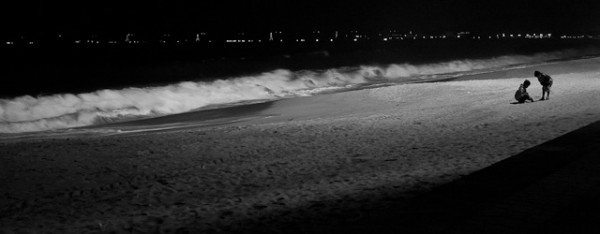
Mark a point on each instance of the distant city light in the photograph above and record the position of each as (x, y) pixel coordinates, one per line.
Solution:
(128, 37)
(313, 36)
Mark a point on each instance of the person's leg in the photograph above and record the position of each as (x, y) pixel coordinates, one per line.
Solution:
(523, 99)
(546, 90)
(543, 93)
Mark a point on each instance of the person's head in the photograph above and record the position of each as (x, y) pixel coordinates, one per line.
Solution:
(526, 83)
(537, 73)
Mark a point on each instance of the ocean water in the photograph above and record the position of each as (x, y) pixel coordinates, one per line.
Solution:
(54, 92)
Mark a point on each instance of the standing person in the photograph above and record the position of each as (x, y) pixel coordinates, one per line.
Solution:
(521, 95)
(546, 82)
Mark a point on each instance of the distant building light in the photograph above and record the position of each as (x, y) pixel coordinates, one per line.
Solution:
(128, 37)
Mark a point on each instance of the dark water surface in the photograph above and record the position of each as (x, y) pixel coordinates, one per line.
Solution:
(43, 70)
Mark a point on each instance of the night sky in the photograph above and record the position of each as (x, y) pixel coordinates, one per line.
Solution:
(220, 15)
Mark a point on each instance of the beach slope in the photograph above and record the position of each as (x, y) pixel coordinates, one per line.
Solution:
(339, 156)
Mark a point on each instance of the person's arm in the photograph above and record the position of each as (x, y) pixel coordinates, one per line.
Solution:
(526, 94)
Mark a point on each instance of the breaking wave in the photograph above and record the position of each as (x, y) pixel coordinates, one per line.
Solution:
(28, 114)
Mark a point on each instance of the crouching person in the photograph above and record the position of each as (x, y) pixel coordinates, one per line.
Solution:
(521, 95)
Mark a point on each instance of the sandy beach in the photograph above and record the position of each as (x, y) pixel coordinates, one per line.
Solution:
(294, 160)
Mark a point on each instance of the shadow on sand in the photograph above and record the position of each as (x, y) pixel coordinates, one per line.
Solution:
(553, 187)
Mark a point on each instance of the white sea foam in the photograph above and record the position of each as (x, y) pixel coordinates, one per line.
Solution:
(27, 113)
